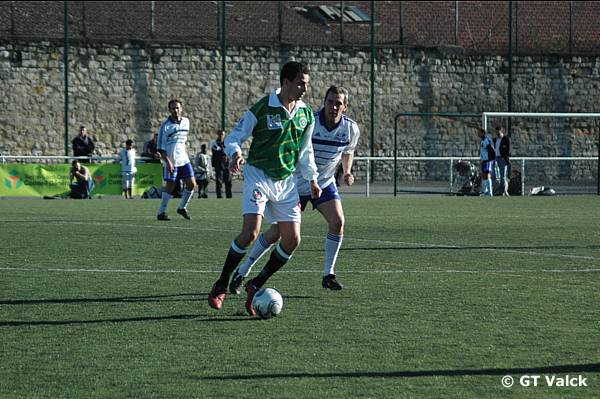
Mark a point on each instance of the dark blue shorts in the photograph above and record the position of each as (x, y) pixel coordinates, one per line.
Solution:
(181, 172)
(329, 193)
(487, 166)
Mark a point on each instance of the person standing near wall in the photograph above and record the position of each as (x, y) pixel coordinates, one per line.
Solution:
(128, 169)
(83, 145)
(150, 150)
(487, 155)
(203, 172)
(502, 149)
(221, 166)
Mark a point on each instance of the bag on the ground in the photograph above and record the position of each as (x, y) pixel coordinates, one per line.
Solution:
(152, 193)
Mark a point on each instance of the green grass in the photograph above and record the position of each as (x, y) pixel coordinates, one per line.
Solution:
(443, 297)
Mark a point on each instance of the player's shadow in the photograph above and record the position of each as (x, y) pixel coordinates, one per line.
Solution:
(575, 368)
(197, 317)
(186, 297)
(148, 298)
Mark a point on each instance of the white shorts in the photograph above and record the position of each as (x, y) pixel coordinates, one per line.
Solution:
(127, 180)
(275, 200)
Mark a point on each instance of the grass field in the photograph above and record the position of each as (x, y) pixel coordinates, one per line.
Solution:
(443, 297)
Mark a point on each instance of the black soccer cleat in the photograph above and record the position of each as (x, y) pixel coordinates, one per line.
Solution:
(235, 286)
(330, 283)
(163, 216)
(183, 212)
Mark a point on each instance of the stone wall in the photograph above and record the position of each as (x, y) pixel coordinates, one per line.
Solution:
(121, 91)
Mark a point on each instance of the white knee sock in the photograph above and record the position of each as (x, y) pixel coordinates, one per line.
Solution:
(489, 188)
(333, 244)
(259, 248)
(186, 196)
(166, 197)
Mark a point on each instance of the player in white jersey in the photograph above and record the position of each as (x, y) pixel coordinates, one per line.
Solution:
(334, 139)
(128, 169)
(172, 137)
(487, 156)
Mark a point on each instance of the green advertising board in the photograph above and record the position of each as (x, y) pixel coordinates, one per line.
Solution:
(31, 180)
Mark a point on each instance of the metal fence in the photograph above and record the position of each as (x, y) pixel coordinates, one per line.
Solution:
(474, 27)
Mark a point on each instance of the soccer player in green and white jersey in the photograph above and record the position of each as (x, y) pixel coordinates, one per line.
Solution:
(281, 126)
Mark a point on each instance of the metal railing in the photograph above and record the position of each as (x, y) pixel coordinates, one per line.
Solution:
(368, 167)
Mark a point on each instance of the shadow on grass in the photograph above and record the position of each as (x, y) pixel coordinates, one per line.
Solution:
(575, 368)
(195, 297)
(148, 298)
(125, 299)
(20, 323)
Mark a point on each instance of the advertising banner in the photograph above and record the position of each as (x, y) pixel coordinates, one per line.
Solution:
(34, 180)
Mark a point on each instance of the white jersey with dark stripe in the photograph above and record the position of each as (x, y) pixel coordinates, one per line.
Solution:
(172, 137)
(328, 147)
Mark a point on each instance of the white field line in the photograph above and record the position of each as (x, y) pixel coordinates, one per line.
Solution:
(425, 271)
(346, 238)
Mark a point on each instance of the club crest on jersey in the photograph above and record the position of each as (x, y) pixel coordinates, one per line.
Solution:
(274, 122)
(257, 195)
(303, 122)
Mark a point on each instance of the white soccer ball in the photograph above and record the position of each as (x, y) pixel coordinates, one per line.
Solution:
(267, 303)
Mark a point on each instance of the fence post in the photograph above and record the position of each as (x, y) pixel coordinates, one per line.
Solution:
(522, 178)
(66, 75)
(368, 173)
(451, 175)
(223, 61)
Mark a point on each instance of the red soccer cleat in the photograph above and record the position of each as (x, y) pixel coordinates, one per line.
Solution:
(216, 296)
(251, 290)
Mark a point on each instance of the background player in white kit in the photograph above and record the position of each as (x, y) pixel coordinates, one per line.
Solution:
(334, 139)
(172, 137)
(128, 169)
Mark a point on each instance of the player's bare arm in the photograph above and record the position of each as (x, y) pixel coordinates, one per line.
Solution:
(166, 158)
(347, 169)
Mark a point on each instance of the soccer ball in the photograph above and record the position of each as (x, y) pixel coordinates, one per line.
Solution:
(267, 303)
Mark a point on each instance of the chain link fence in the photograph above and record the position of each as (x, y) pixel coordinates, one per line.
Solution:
(474, 27)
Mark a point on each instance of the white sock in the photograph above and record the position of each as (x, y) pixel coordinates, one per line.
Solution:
(165, 198)
(186, 196)
(333, 244)
(489, 188)
(259, 248)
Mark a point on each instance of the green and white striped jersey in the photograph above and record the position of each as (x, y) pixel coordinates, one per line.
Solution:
(281, 140)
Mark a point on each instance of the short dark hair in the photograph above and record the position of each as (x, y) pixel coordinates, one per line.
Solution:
(498, 127)
(337, 90)
(173, 101)
(291, 69)
(129, 141)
